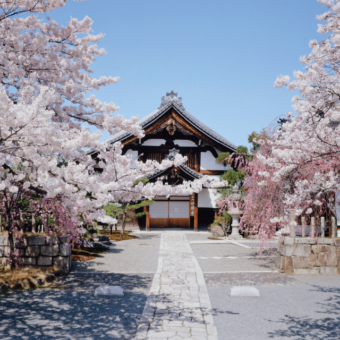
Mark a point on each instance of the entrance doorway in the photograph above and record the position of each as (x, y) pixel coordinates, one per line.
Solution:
(169, 214)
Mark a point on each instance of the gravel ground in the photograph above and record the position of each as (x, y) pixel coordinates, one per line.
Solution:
(138, 255)
(305, 309)
(257, 245)
(198, 237)
(290, 307)
(246, 259)
(247, 279)
(73, 312)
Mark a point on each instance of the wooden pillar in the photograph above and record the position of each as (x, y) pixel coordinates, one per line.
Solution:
(147, 219)
(196, 214)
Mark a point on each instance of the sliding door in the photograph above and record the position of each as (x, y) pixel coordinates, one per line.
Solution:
(169, 214)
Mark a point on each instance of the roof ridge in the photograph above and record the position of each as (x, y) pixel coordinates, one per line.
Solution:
(168, 101)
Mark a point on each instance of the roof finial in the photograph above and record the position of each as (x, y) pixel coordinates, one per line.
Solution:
(171, 98)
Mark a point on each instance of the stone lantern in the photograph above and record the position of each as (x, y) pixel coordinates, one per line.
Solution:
(235, 213)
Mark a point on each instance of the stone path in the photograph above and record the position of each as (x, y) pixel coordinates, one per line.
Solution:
(178, 306)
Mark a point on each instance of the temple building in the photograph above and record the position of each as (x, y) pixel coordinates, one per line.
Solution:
(170, 130)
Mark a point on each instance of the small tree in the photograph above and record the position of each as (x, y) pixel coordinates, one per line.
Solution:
(224, 221)
(126, 212)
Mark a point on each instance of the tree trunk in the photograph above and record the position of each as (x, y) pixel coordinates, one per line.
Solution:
(123, 224)
(21, 220)
(11, 241)
(34, 224)
(6, 220)
(111, 226)
(46, 225)
(116, 226)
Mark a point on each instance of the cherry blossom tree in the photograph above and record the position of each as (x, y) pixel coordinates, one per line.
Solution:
(309, 143)
(265, 206)
(45, 95)
(298, 167)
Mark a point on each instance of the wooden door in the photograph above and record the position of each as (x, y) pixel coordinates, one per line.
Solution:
(169, 214)
(179, 214)
(159, 214)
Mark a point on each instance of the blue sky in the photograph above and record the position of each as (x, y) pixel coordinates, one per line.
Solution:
(222, 57)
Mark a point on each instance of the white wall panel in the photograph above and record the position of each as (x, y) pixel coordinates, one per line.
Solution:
(134, 155)
(208, 162)
(207, 198)
(183, 142)
(154, 142)
(159, 210)
(179, 209)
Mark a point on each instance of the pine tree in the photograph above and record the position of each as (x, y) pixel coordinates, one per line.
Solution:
(125, 212)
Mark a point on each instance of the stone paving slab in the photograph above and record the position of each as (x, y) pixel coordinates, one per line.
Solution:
(244, 291)
(109, 291)
(178, 306)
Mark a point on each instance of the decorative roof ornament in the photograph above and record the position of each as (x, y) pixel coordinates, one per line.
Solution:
(171, 128)
(171, 98)
(172, 154)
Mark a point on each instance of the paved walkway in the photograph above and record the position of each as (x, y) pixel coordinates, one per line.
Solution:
(178, 307)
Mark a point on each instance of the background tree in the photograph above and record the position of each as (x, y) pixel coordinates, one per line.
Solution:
(126, 212)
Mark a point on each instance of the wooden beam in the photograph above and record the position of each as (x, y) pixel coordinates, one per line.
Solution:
(195, 132)
(212, 172)
(190, 129)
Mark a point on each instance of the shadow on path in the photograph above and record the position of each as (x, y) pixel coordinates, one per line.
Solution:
(326, 326)
(71, 311)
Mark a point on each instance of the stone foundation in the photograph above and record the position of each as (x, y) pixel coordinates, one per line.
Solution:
(309, 255)
(40, 251)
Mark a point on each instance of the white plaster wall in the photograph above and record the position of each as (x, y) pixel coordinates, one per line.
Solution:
(207, 198)
(208, 162)
(134, 155)
(154, 142)
(183, 142)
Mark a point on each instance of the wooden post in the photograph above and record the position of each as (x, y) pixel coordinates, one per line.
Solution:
(334, 227)
(322, 227)
(196, 219)
(147, 219)
(312, 227)
(196, 214)
(303, 226)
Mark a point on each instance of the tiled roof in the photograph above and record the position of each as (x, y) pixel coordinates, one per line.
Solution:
(169, 101)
